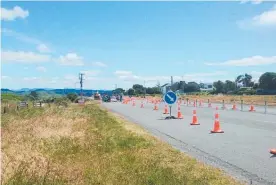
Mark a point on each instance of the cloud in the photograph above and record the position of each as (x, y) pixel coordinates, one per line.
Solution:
(71, 77)
(71, 59)
(24, 57)
(250, 61)
(129, 76)
(265, 19)
(256, 75)
(100, 64)
(5, 77)
(41, 69)
(91, 73)
(122, 73)
(126, 75)
(42, 48)
(252, 1)
(12, 14)
(20, 36)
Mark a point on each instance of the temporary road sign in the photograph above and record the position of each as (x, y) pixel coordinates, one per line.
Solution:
(170, 98)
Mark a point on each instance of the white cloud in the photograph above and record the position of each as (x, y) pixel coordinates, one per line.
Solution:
(71, 59)
(252, 1)
(32, 79)
(126, 75)
(100, 64)
(267, 18)
(12, 14)
(123, 73)
(5, 77)
(256, 75)
(41, 69)
(250, 61)
(42, 48)
(91, 73)
(20, 36)
(24, 57)
(71, 77)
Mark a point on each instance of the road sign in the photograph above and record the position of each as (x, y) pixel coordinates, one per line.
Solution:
(170, 98)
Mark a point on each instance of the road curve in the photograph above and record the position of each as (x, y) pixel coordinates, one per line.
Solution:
(242, 151)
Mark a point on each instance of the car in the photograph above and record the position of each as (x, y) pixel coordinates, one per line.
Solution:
(114, 99)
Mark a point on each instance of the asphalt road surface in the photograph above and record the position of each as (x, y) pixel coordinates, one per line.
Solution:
(242, 151)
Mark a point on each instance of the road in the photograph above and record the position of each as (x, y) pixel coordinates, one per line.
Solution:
(242, 151)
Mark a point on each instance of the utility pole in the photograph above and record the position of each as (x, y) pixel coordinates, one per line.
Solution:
(144, 88)
(81, 84)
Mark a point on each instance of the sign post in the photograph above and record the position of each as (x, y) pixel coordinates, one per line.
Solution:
(170, 98)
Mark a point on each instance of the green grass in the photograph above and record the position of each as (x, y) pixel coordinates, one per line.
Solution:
(88, 145)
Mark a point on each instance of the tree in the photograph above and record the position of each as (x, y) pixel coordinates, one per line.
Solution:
(119, 91)
(131, 92)
(139, 89)
(245, 79)
(229, 86)
(149, 90)
(219, 87)
(256, 86)
(267, 81)
(192, 87)
(34, 95)
(72, 97)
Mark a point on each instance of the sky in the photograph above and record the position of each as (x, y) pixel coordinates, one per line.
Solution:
(118, 44)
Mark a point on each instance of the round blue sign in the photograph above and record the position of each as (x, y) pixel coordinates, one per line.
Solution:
(170, 98)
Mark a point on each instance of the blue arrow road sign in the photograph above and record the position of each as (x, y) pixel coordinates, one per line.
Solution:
(170, 98)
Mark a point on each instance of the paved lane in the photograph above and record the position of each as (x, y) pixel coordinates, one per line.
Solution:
(242, 150)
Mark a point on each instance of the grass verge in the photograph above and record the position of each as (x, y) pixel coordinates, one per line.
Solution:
(88, 145)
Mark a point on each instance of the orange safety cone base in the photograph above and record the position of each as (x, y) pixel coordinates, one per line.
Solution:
(165, 113)
(194, 123)
(273, 151)
(218, 131)
(181, 117)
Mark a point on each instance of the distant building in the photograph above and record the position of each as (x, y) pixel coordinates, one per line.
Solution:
(206, 87)
(165, 88)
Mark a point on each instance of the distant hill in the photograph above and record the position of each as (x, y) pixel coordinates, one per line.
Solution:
(53, 92)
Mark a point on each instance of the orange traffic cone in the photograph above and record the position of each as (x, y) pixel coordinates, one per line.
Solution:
(166, 109)
(252, 109)
(273, 151)
(217, 124)
(155, 107)
(234, 107)
(194, 121)
(142, 105)
(133, 103)
(200, 103)
(179, 114)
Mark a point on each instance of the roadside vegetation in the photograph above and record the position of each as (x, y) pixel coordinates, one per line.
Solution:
(88, 145)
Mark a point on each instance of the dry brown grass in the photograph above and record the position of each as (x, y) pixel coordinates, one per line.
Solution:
(88, 145)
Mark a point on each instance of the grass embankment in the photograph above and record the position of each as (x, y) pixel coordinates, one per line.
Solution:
(88, 145)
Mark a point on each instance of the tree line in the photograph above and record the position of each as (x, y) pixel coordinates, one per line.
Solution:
(243, 84)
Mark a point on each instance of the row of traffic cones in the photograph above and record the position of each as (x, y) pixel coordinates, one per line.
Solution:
(216, 128)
